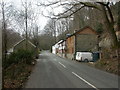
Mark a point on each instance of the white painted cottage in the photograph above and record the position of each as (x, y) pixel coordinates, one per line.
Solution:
(55, 49)
(59, 48)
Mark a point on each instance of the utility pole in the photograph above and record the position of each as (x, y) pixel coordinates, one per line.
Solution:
(4, 32)
(36, 41)
(26, 26)
(54, 29)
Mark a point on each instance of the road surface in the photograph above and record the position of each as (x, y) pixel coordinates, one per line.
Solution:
(51, 71)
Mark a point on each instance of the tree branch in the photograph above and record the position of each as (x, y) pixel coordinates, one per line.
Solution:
(46, 5)
(87, 4)
(109, 11)
(64, 16)
(110, 14)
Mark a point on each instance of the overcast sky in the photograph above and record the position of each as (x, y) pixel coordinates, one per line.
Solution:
(41, 20)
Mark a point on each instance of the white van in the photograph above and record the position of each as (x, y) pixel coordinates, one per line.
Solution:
(84, 56)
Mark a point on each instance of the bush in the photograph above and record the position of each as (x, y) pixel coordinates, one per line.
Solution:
(19, 56)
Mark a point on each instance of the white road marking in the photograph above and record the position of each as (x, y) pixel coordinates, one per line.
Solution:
(62, 64)
(85, 81)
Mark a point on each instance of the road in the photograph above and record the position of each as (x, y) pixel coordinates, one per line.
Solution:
(52, 71)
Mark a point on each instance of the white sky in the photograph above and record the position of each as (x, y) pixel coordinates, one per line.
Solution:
(41, 20)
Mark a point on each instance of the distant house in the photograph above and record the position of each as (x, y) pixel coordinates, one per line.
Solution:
(61, 48)
(55, 48)
(22, 45)
(85, 39)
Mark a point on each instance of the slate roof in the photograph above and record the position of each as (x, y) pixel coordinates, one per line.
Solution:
(22, 41)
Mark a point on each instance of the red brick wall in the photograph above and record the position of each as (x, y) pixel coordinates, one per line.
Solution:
(70, 44)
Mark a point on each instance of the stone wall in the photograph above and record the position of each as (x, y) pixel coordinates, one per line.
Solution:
(105, 42)
(86, 43)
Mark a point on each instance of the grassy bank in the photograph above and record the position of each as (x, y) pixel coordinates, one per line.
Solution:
(16, 75)
(17, 68)
(109, 65)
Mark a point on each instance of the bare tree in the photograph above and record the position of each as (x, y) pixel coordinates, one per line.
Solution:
(51, 29)
(103, 7)
(8, 32)
(26, 20)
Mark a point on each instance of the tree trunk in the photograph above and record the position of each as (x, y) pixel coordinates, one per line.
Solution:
(4, 33)
(26, 26)
(110, 28)
(118, 24)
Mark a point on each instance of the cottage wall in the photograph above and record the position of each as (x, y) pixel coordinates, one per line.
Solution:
(70, 47)
(86, 42)
(61, 49)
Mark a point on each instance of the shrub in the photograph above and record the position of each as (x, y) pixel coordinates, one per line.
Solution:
(19, 56)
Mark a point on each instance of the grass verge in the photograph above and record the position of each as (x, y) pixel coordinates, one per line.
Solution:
(16, 75)
(109, 65)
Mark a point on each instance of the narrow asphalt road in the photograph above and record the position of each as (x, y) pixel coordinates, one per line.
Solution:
(51, 71)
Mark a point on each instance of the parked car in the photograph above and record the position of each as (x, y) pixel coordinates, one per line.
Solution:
(84, 56)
